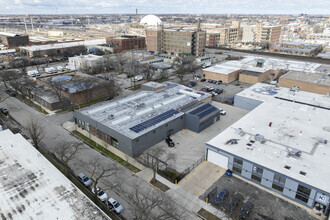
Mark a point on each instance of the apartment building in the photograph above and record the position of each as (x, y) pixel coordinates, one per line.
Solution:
(318, 36)
(268, 34)
(249, 33)
(176, 42)
(212, 39)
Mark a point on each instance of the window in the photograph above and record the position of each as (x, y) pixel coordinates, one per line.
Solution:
(279, 188)
(303, 193)
(238, 170)
(257, 178)
(238, 162)
(257, 170)
(279, 179)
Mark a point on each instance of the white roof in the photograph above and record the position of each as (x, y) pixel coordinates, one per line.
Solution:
(32, 188)
(265, 92)
(151, 20)
(64, 45)
(222, 69)
(295, 127)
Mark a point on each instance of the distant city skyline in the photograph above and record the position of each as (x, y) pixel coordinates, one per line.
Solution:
(164, 7)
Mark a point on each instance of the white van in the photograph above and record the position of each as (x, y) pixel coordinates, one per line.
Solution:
(33, 73)
(138, 78)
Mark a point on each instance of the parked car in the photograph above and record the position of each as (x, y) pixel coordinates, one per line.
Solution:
(138, 78)
(222, 112)
(204, 89)
(85, 180)
(4, 111)
(169, 141)
(2, 67)
(219, 90)
(191, 84)
(210, 88)
(203, 80)
(246, 209)
(12, 94)
(101, 195)
(115, 206)
(218, 82)
(221, 196)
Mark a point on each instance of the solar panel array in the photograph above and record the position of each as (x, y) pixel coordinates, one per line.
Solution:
(153, 121)
(208, 111)
(198, 110)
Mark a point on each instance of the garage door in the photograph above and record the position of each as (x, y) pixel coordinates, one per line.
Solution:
(217, 158)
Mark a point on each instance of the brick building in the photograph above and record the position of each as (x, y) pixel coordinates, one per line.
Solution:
(300, 49)
(14, 40)
(126, 42)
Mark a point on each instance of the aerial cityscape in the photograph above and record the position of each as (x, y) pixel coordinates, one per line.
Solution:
(165, 110)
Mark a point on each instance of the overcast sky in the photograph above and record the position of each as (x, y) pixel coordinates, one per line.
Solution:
(165, 6)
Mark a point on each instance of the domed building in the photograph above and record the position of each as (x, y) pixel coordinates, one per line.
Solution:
(151, 20)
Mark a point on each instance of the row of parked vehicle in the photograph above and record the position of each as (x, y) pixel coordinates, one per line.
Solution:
(217, 82)
(236, 201)
(111, 203)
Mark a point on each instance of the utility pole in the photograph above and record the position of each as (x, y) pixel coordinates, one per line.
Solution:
(32, 24)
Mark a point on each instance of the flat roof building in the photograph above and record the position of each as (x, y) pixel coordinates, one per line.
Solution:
(32, 188)
(222, 72)
(13, 41)
(281, 145)
(255, 95)
(298, 49)
(139, 121)
(126, 42)
(309, 82)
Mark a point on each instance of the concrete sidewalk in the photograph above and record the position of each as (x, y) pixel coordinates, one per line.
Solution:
(201, 178)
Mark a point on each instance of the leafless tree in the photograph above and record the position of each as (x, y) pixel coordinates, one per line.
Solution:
(101, 173)
(85, 86)
(152, 204)
(147, 71)
(57, 87)
(21, 64)
(153, 157)
(10, 75)
(120, 62)
(132, 68)
(184, 66)
(66, 152)
(36, 130)
(113, 86)
(28, 86)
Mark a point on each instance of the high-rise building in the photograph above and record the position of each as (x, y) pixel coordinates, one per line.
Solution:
(212, 39)
(173, 41)
(249, 33)
(268, 34)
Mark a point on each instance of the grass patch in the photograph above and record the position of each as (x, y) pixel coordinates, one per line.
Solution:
(119, 73)
(170, 175)
(207, 215)
(106, 152)
(3, 117)
(134, 88)
(159, 185)
(26, 137)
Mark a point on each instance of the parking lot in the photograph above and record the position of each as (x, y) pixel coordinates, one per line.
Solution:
(190, 146)
(265, 205)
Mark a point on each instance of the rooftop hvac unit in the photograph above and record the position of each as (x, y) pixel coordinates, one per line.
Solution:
(322, 141)
(260, 138)
(295, 153)
(111, 116)
(240, 131)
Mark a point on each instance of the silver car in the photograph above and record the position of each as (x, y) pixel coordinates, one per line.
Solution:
(85, 180)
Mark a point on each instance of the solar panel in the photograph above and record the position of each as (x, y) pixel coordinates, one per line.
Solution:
(208, 111)
(153, 121)
(198, 110)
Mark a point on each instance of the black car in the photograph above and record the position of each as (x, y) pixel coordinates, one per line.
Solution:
(169, 142)
(13, 94)
(2, 67)
(246, 209)
(219, 90)
(4, 111)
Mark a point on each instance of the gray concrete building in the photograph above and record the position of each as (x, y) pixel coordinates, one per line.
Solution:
(282, 144)
(139, 121)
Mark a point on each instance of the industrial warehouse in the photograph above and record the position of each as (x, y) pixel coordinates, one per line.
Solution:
(282, 144)
(139, 121)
